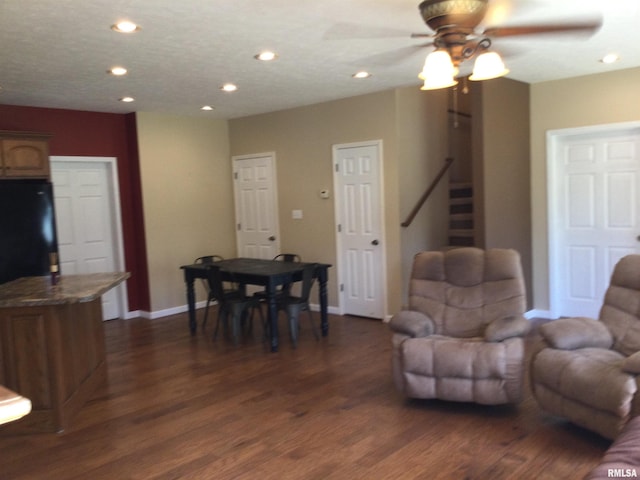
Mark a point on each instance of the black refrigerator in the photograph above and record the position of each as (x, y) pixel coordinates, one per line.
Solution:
(27, 228)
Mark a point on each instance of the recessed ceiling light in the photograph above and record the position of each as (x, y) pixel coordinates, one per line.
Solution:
(361, 74)
(125, 26)
(207, 108)
(266, 56)
(229, 87)
(127, 99)
(118, 71)
(610, 58)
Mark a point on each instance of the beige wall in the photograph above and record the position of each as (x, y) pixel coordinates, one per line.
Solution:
(505, 170)
(302, 139)
(188, 192)
(592, 100)
(422, 148)
(187, 198)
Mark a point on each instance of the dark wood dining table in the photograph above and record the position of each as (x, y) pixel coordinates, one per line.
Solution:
(267, 273)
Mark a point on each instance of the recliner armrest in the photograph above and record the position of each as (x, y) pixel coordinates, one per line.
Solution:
(574, 333)
(412, 323)
(631, 364)
(506, 327)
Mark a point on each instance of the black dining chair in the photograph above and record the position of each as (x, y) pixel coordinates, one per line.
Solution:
(294, 305)
(234, 306)
(229, 289)
(286, 288)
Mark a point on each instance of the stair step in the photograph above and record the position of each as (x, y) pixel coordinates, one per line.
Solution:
(459, 208)
(461, 232)
(460, 192)
(461, 216)
(460, 200)
(464, 224)
(461, 241)
(459, 185)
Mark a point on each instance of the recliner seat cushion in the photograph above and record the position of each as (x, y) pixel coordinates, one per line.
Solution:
(463, 369)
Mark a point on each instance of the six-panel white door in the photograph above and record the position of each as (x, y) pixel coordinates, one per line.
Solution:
(84, 223)
(597, 215)
(254, 183)
(357, 175)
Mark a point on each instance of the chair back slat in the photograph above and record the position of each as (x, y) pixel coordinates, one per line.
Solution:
(288, 257)
(208, 259)
(214, 278)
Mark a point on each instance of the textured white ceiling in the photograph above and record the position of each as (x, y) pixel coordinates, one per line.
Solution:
(55, 53)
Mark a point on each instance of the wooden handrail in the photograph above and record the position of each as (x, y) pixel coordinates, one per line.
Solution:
(448, 161)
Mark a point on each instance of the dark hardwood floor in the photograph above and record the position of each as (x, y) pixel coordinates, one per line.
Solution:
(182, 407)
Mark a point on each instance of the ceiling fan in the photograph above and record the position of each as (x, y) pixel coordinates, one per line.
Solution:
(457, 39)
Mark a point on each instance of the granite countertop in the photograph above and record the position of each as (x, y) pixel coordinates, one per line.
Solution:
(38, 291)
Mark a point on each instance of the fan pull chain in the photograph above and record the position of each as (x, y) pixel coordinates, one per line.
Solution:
(455, 107)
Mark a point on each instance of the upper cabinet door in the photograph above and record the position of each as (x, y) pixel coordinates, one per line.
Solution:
(25, 158)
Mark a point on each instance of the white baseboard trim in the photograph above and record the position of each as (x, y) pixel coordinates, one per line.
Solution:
(184, 308)
(331, 310)
(314, 307)
(164, 313)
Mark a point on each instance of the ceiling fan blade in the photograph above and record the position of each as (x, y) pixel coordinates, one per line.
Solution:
(353, 31)
(589, 27)
(499, 11)
(393, 57)
(422, 35)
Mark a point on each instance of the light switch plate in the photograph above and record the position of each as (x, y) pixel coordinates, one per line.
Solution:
(296, 214)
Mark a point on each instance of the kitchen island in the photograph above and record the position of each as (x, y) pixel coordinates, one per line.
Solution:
(52, 345)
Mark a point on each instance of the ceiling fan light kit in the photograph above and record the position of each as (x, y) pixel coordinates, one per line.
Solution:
(438, 71)
(487, 66)
(456, 40)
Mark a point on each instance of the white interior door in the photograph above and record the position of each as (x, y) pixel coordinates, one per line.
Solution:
(596, 205)
(87, 223)
(358, 187)
(254, 182)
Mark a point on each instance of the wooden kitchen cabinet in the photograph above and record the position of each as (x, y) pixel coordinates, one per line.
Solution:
(52, 348)
(24, 155)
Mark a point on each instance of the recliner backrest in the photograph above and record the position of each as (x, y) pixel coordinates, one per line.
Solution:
(463, 289)
(621, 308)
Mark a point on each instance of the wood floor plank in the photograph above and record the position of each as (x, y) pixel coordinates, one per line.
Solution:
(182, 407)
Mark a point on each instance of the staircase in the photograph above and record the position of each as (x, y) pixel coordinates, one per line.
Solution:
(461, 232)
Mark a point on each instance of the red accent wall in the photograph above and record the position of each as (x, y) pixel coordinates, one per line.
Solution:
(79, 133)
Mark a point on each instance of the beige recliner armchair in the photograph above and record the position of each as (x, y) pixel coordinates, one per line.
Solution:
(461, 338)
(587, 370)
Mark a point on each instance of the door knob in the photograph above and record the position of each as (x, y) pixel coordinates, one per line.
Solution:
(375, 242)
(272, 238)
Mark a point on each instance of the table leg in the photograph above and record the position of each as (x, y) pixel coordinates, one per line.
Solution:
(191, 302)
(272, 315)
(324, 319)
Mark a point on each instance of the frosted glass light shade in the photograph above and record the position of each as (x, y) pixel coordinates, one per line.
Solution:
(488, 65)
(438, 71)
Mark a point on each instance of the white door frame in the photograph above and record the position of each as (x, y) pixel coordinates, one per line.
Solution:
(554, 139)
(111, 164)
(337, 212)
(274, 189)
